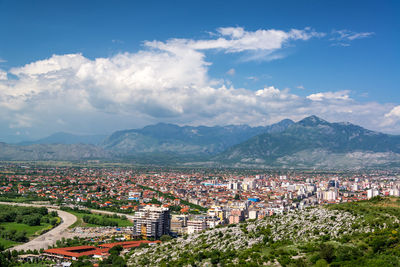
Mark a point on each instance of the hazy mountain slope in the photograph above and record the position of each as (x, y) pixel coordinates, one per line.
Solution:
(315, 142)
(67, 138)
(185, 140)
(52, 152)
(311, 142)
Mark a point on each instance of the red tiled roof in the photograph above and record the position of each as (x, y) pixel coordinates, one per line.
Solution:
(77, 251)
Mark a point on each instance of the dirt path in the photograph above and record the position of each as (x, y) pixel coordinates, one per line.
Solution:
(51, 237)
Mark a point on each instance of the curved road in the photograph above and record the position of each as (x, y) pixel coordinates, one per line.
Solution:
(51, 237)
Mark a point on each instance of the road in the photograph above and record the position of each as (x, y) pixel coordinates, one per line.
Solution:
(51, 237)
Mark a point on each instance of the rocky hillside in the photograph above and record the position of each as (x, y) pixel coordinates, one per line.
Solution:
(352, 234)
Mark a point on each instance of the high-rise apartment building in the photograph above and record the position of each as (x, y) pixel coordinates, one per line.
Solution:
(151, 221)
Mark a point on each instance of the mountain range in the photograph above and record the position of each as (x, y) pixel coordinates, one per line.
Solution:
(313, 142)
(170, 138)
(67, 139)
(308, 143)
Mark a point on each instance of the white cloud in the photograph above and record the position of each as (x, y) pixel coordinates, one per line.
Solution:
(340, 95)
(166, 81)
(344, 37)
(231, 72)
(350, 35)
(253, 78)
(395, 112)
(117, 41)
(3, 75)
(51, 66)
(391, 118)
(21, 121)
(234, 32)
(234, 40)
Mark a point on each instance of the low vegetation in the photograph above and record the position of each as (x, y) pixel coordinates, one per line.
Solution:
(18, 224)
(85, 218)
(362, 233)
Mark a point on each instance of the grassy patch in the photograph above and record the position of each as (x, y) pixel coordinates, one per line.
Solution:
(19, 199)
(35, 264)
(31, 231)
(7, 243)
(80, 223)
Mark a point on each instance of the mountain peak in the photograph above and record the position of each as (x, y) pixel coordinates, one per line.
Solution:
(285, 122)
(312, 121)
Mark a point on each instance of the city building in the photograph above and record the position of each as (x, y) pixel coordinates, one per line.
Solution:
(372, 193)
(179, 223)
(196, 225)
(151, 221)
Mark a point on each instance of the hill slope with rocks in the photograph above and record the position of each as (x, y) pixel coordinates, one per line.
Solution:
(352, 234)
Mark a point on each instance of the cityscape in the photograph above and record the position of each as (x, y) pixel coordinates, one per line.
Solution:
(199, 133)
(156, 203)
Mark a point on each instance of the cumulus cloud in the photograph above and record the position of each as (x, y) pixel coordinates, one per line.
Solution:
(166, 81)
(395, 112)
(392, 117)
(339, 95)
(3, 75)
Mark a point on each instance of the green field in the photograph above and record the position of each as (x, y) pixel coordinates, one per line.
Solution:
(20, 224)
(7, 243)
(20, 199)
(81, 223)
(36, 264)
(31, 231)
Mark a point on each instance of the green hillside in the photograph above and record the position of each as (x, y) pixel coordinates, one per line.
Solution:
(353, 234)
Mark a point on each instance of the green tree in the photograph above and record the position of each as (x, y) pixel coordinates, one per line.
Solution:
(165, 238)
(321, 263)
(327, 252)
(116, 250)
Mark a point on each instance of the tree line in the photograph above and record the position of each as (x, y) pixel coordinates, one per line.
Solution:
(31, 216)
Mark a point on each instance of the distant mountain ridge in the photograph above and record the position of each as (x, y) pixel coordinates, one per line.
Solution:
(309, 143)
(164, 137)
(53, 152)
(315, 142)
(67, 139)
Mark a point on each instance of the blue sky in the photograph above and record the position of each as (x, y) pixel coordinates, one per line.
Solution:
(126, 64)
